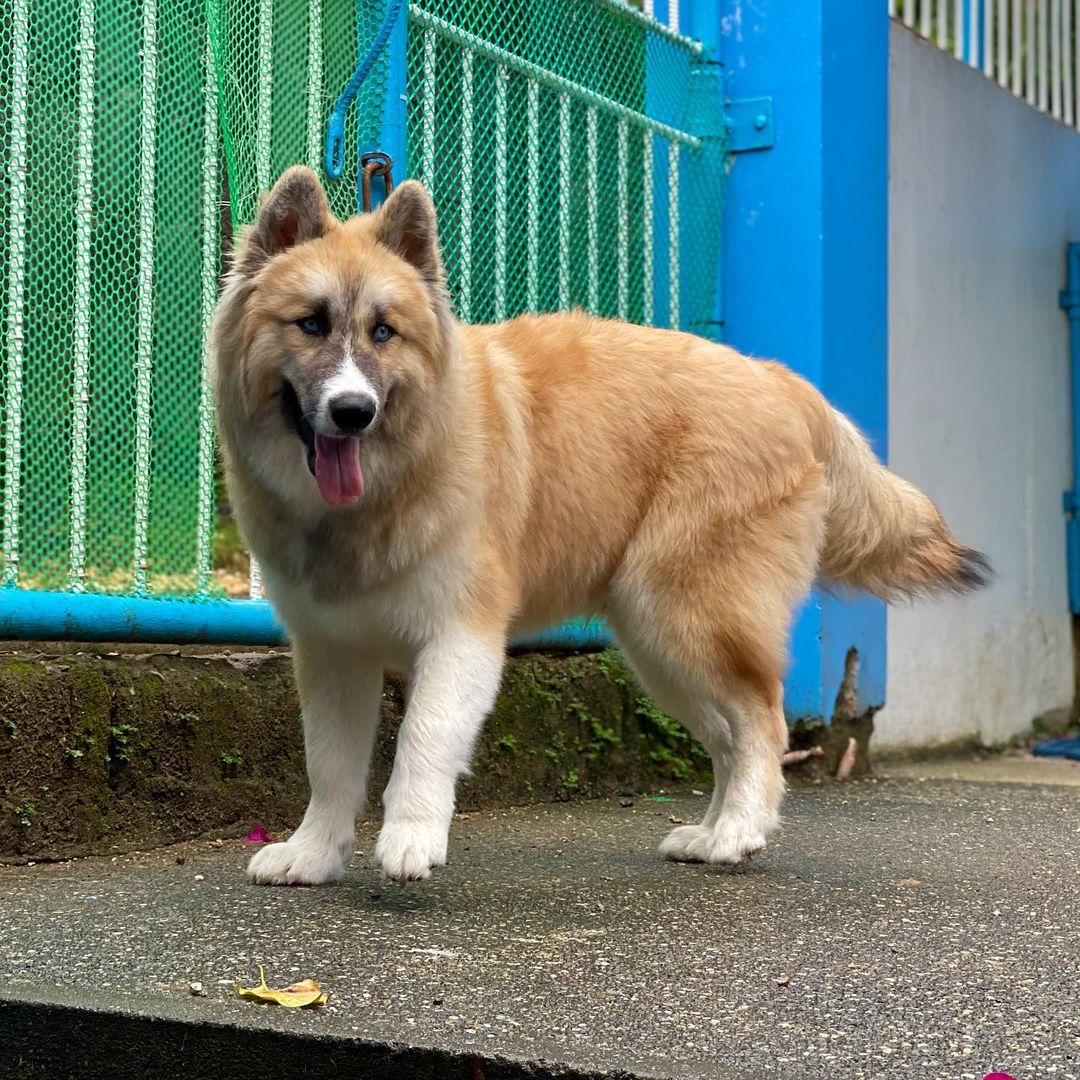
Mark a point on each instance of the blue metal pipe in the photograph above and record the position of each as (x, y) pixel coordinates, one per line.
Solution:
(56, 616)
(29, 615)
(334, 151)
(1070, 302)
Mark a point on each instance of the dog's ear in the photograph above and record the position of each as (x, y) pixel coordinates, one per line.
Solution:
(295, 210)
(406, 224)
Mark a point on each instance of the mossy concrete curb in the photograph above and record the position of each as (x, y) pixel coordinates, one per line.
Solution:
(102, 751)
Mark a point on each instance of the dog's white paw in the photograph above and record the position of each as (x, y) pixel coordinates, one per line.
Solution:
(409, 849)
(296, 863)
(726, 842)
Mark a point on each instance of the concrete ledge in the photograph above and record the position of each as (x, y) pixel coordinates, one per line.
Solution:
(103, 751)
(47, 1033)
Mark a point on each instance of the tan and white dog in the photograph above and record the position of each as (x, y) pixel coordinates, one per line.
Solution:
(417, 492)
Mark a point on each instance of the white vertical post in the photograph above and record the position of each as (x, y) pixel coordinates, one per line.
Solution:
(144, 353)
(673, 15)
(590, 221)
(1076, 65)
(987, 14)
(673, 233)
(909, 12)
(623, 231)
(1044, 50)
(647, 228)
(974, 36)
(892, 9)
(210, 246)
(1016, 52)
(17, 206)
(427, 115)
(1030, 91)
(1055, 59)
(564, 201)
(501, 77)
(314, 85)
(532, 167)
(958, 29)
(943, 24)
(1003, 43)
(647, 7)
(465, 297)
(1067, 61)
(84, 228)
(265, 95)
(924, 17)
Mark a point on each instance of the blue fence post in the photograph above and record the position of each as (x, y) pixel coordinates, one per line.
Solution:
(393, 124)
(805, 254)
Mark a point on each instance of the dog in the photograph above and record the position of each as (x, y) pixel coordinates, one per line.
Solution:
(418, 491)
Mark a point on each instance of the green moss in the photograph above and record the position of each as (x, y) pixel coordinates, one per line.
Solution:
(23, 669)
(121, 745)
(231, 760)
(671, 745)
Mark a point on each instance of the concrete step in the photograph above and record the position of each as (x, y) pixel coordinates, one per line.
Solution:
(896, 927)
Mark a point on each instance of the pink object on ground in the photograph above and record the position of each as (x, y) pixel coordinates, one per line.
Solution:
(847, 760)
(258, 835)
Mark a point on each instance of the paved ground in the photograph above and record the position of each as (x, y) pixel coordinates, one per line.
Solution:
(900, 927)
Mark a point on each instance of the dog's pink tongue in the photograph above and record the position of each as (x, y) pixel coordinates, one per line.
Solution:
(337, 470)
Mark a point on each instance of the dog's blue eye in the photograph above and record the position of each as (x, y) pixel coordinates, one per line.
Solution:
(382, 332)
(315, 325)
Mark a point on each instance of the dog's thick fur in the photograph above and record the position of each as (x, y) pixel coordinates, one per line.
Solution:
(514, 475)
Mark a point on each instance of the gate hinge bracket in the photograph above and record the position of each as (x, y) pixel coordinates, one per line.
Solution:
(749, 124)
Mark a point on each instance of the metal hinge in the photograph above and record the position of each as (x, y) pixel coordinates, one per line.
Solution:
(749, 124)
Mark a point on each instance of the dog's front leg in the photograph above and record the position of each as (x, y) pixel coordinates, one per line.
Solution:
(340, 695)
(455, 680)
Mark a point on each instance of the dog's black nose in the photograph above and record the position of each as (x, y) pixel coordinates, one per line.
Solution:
(352, 412)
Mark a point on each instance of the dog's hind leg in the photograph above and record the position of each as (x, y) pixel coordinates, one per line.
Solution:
(695, 712)
(744, 732)
(703, 609)
(341, 695)
(750, 809)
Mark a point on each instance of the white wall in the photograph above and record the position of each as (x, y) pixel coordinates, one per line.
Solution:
(984, 195)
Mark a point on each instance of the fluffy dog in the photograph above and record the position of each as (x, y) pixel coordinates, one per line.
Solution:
(417, 492)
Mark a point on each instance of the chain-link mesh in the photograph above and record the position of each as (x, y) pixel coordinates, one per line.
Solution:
(282, 64)
(553, 137)
(560, 139)
(108, 257)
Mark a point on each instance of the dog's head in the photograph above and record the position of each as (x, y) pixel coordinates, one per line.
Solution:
(328, 336)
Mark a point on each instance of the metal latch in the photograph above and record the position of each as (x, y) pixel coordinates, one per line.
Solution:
(375, 163)
(749, 124)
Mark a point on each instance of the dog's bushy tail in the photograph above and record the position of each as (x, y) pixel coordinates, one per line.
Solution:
(884, 535)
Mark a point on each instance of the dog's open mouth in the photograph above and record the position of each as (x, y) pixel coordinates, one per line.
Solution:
(334, 462)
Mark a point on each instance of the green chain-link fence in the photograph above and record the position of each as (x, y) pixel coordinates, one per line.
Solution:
(569, 146)
(109, 249)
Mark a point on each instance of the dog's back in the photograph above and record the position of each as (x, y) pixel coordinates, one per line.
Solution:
(634, 429)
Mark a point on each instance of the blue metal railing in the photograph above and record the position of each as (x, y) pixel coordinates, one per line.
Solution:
(29, 615)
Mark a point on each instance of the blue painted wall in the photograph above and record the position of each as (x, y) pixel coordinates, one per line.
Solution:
(805, 252)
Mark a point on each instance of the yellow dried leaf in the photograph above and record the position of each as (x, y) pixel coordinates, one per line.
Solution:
(298, 996)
